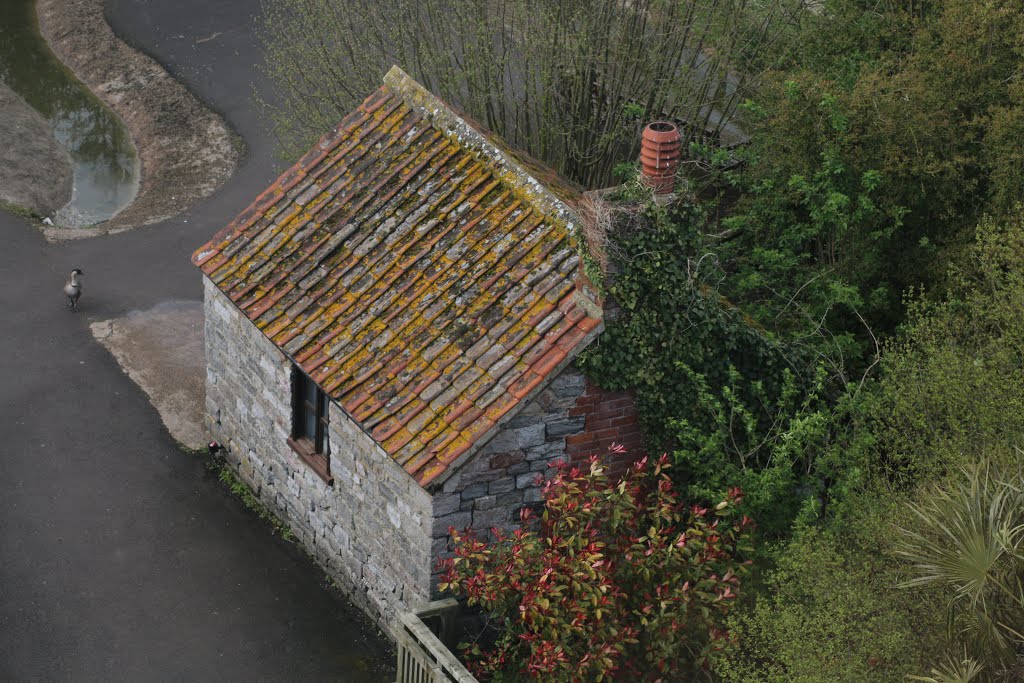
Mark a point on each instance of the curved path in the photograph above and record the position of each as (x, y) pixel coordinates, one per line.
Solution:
(120, 557)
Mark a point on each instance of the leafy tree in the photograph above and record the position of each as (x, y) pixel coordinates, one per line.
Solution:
(951, 389)
(617, 580)
(731, 402)
(948, 394)
(877, 146)
(568, 81)
(809, 264)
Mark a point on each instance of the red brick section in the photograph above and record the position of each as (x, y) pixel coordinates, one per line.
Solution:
(610, 419)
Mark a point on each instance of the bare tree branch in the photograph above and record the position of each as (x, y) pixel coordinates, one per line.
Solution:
(568, 81)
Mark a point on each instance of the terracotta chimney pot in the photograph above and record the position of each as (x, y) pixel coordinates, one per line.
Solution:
(660, 151)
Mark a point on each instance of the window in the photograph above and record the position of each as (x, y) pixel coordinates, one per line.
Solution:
(310, 436)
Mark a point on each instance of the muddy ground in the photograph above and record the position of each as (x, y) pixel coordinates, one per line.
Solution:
(186, 150)
(36, 172)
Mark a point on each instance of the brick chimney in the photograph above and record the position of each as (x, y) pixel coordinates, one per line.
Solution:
(600, 219)
(660, 149)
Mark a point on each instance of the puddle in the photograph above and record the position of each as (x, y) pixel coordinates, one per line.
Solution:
(105, 165)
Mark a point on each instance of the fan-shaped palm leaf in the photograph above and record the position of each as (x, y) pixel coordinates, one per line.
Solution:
(969, 541)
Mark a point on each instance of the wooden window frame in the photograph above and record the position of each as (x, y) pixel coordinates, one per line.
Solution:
(313, 449)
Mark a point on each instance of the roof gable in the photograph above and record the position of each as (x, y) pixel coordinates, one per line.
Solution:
(415, 271)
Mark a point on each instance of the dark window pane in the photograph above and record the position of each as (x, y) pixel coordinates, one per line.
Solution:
(309, 423)
(309, 411)
(309, 391)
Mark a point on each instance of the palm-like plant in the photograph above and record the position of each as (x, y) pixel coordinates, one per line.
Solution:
(969, 542)
(966, 670)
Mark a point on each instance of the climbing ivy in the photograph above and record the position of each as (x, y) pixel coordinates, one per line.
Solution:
(729, 400)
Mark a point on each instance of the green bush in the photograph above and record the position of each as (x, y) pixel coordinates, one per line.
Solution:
(952, 387)
(830, 612)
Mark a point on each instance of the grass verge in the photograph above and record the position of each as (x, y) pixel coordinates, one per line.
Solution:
(22, 211)
(238, 488)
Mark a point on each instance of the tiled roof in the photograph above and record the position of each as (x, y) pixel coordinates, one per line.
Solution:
(413, 270)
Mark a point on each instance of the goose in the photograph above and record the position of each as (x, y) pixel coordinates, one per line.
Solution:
(73, 289)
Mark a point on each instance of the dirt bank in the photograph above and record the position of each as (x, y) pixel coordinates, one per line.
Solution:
(36, 172)
(186, 150)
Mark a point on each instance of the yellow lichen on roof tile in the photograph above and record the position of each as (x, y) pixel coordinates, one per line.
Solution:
(415, 272)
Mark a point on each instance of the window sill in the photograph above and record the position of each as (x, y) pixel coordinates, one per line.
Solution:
(316, 461)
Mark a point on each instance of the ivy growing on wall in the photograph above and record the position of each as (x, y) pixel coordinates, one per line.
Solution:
(734, 405)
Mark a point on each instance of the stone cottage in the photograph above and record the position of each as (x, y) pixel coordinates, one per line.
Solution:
(390, 335)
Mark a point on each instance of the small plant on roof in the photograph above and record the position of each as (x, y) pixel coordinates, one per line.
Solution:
(616, 580)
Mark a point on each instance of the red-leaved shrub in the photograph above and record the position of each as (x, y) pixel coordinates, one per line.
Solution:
(614, 581)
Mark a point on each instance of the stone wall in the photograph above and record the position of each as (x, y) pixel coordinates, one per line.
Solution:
(508, 472)
(376, 531)
(571, 419)
(371, 531)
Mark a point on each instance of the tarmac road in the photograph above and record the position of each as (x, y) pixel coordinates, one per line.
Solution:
(121, 558)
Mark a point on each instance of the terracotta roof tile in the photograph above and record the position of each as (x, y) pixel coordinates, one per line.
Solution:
(415, 271)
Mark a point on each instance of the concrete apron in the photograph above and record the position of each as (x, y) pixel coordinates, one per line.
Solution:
(161, 349)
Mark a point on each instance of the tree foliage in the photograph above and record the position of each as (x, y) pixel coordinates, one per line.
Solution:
(877, 145)
(951, 390)
(617, 580)
(568, 81)
(734, 405)
(828, 612)
(948, 395)
(877, 247)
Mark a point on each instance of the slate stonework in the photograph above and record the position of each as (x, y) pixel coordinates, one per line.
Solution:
(371, 531)
(508, 472)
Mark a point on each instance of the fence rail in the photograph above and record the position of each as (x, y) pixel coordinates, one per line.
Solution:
(422, 656)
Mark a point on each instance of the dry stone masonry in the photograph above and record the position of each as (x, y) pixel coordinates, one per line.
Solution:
(371, 530)
(508, 472)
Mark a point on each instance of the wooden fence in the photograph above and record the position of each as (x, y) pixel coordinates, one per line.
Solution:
(423, 639)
